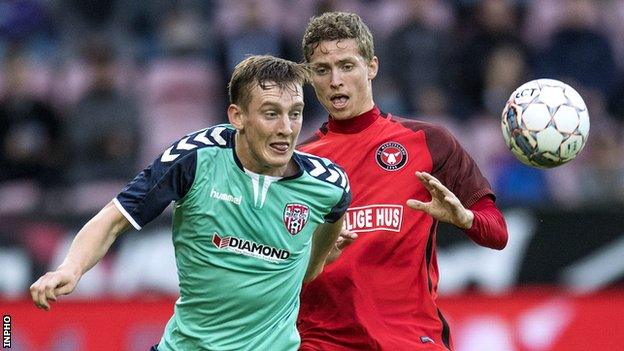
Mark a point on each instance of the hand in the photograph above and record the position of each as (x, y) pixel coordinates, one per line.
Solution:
(345, 239)
(51, 285)
(444, 205)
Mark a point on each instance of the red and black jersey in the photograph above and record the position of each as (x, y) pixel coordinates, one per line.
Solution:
(381, 293)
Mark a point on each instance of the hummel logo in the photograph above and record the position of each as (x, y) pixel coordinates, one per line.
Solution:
(226, 197)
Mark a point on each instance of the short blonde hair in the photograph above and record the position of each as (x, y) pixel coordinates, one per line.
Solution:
(337, 26)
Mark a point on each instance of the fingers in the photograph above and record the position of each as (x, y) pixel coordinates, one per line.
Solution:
(422, 176)
(418, 205)
(46, 289)
(433, 185)
(38, 294)
(63, 290)
(348, 234)
(345, 239)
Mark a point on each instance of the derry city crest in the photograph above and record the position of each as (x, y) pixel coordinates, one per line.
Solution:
(295, 217)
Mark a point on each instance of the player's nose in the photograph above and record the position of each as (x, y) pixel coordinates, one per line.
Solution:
(336, 78)
(284, 125)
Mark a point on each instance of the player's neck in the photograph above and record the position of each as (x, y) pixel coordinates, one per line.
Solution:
(355, 124)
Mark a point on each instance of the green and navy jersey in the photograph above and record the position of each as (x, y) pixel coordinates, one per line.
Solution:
(242, 240)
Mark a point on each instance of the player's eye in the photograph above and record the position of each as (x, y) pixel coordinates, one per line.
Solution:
(270, 114)
(296, 115)
(320, 70)
(347, 67)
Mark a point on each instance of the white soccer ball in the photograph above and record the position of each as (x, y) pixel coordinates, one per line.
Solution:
(545, 123)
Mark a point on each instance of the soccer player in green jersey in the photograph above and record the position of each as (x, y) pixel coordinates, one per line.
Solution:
(252, 218)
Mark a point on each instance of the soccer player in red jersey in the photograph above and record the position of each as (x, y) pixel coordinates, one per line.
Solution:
(380, 294)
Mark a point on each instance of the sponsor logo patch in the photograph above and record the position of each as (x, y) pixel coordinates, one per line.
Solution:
(295, 217)
(391, 156)
(374, 217)
(249, 248)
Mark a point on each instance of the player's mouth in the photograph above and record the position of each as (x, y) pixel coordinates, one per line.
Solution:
(280, 147)
(339, 101)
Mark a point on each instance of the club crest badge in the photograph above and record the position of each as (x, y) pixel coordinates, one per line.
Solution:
(295, 217)
(391, 156)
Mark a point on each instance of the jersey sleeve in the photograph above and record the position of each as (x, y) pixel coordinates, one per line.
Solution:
(488, 226)
(328, 172)
(455, 168)
(345, 200)
(167, 179)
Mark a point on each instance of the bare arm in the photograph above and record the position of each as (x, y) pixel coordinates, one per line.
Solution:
(89, 246)
(323, 240)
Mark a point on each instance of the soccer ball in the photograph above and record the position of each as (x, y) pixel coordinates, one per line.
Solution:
(545, 123)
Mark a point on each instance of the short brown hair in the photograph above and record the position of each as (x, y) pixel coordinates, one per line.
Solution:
(263, 69)
(336, 26)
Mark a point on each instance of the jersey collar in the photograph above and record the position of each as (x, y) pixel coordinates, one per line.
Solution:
(355, 124)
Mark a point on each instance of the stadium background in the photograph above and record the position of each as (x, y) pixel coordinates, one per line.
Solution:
(91, 91)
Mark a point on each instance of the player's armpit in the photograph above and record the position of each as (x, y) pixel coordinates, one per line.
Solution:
(323, 240)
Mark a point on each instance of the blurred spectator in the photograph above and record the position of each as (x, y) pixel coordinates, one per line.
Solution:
(506, 69)
(179, 87)
(521, 185)
(601, 177)
(616, 107)
(251, 32)
(30, 129)
(596, 176)
(494, 23)
(418, 56)
(579, 53)
(102, 129)
(25, 22)
(602, 180)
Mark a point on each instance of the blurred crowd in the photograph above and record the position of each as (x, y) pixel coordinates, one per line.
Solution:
(91, 91)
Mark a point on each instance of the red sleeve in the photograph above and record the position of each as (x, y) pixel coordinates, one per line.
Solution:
(488, 227)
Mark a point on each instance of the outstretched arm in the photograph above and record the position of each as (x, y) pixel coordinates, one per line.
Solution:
(323, 240)
(444, 205)
(483, 222)
(89, 246)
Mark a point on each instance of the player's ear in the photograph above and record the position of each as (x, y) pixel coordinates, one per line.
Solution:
(235, 116)
(373, 66)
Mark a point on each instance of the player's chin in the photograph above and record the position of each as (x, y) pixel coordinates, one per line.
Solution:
(279, 158)
(340, 114)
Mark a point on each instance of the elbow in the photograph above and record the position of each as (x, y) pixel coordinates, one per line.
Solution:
(496, 241)
(500, 242)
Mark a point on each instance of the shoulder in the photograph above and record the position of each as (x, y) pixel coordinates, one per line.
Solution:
(430, 129)
(219, 136)
(313, 138)
(437, 137)
(323, 169)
